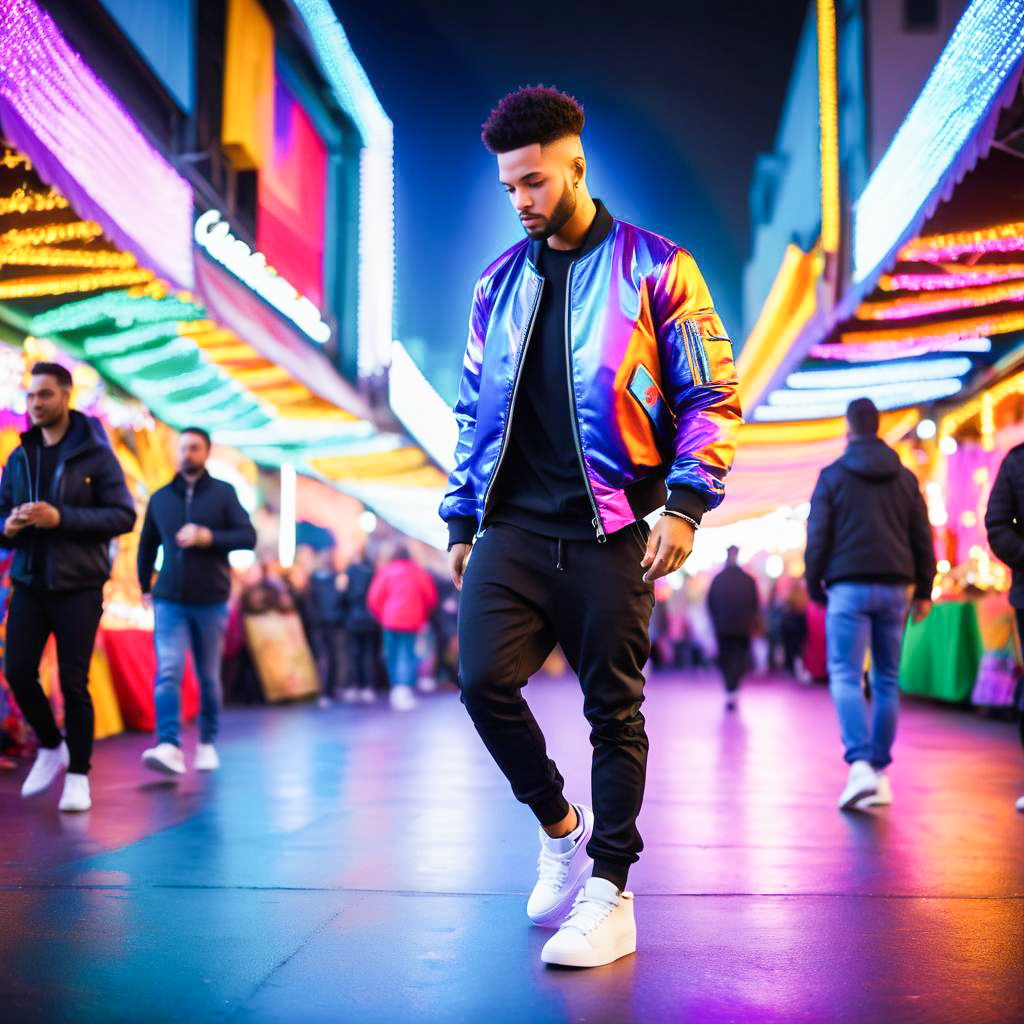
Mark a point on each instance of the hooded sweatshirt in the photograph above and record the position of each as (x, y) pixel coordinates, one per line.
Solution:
(868, 524)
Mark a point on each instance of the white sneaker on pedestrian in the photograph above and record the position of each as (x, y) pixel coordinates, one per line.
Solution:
(402, 698)
(45, 769)
(1020, 803)
(883, 797)
(165, 758)
(861, 783)
(324, 703)
(350, 695)
(76, 796)
(368, 695)
(207, 759)
(560, 873)
(426, 684)
(599, 930)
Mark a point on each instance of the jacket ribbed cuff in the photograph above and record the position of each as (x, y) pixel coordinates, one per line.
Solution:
(461, 530)
(688, 501)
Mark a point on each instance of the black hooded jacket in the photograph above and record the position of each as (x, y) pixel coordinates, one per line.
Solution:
(193, 575)
(868, 524)
(87, 489)
(1004, 520)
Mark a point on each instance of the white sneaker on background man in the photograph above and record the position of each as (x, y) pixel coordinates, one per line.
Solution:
(45, 769)
(402, 698)
(599, 930)
(165, 758)
(562, 867)
(861, 783)
(76, 796)
(883, 797)
(207, 759)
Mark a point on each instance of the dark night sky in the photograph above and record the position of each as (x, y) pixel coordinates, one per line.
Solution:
(680, 98)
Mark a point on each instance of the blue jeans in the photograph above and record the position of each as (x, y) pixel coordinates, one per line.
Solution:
(859, 615)
(400, 656)
(177, 626)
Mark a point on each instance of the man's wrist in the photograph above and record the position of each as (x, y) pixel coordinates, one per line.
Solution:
(682, 515)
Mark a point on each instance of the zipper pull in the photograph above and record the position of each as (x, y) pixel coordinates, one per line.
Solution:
(599, 529)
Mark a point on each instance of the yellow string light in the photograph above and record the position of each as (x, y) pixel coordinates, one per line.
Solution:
(13, 159)
(21, 200)
(921, 248)
(983, 405)
(989, 295)
(828, 106)
(53, 234)
(970, 327)
(48, 256)
(1008, 271)
(988, 421)
(63, 284)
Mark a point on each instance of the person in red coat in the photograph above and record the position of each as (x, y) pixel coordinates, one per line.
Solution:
(401, 598)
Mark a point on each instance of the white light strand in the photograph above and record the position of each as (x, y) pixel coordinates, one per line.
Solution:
(903, 372)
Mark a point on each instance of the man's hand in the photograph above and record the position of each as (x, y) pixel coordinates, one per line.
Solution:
(14, 523)
(193, 536)
(669, 545)
(457, 558)
(920, 610)
(147, 601)
(40, 514)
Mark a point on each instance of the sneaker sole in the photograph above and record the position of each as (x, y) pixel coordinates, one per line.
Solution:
(557, 914)
(74, 810)
(591, 958)
(32, 794)
(156, 765)
(850, 803)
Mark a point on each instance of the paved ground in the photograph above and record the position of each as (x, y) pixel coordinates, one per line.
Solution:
(354, 865)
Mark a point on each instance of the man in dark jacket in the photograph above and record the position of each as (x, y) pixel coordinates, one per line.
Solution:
(734, 607)
(63, 499)
(869, 543)
(1004, 521)
(363, 632)
(197, 520)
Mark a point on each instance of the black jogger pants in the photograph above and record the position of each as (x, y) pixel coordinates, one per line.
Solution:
(522, 594)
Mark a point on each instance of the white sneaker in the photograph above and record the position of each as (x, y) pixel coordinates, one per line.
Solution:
(883, 797)
(600, 929)
(368, 695)
(76, 796)
(165, 758)
(862, 782)
(426, 684)
(402, 698)
(559, 875)
(206, 758)
(47, 766)
(350, 695)
(324, 703)
(1020, 803)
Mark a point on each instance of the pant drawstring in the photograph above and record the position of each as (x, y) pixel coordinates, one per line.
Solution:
(561, 552)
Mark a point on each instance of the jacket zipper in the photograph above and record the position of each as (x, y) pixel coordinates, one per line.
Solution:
(596, 522)
(189, 492)
(512, 401)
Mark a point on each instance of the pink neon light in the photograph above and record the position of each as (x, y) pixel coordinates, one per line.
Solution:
(940, 305)
(883, 351)
(928, 254)
(82, 142)
(965, 278)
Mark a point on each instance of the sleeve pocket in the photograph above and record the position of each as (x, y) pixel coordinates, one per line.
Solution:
(708, 350)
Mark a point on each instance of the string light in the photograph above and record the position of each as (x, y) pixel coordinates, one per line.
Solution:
(825, 403)
(966, 82)
(137, 361)
(22, 200)
(905, 372)
(881, 351)
(1010, 387)
(948, 302)
(954, 275)
(972, 327)
(125, 341)
(123, 308)
(63, 284)
(62, 117)
(12, 160)
(933, 248)
(47, 256)
(828, 107)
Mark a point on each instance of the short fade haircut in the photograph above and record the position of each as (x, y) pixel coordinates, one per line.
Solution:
(199, 432)
(535, 114)
(862, 415)
(61, 373)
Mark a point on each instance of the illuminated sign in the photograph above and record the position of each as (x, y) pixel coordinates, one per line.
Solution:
(213, 234)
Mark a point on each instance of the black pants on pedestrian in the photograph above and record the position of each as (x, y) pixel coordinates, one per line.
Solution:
(73, 618)
(363, 647)
(733, 660)
(331, 651)
(522, 594)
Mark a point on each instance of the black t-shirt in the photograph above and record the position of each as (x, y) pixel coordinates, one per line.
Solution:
(45, 459)
(541, 486)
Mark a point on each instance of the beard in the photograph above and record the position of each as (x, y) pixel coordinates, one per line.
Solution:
(560, 216)
(189, 467)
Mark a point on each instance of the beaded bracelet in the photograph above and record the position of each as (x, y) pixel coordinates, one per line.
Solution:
(683, 516)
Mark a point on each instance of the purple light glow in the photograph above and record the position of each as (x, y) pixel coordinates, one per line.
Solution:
(882, 351)
(955, 277)
(83, 143)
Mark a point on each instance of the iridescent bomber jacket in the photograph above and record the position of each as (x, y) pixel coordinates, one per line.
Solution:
(651, 379)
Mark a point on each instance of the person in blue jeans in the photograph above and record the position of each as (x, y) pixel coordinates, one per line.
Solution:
(197, 520)
(870, 559)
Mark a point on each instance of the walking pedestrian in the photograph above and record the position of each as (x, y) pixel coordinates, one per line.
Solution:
(327, 613)
(869, 558)
(596, 370)
(1003, 519)
(63, 498)
(735, 608)
(363, 632)
(197, 520)
(401, 598)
